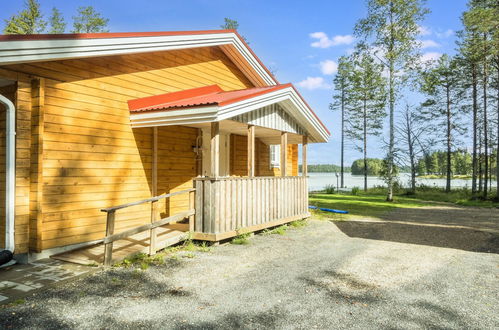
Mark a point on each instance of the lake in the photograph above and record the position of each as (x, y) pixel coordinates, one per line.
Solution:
(317, 181)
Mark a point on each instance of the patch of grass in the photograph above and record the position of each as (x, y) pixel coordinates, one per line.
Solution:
(203, 247)
(372, 206)
(189, 255)
(329, 189)
(372, 203)
(13, 303)
(299, 223)
(241, 239)
(281, 230)
(142, 260)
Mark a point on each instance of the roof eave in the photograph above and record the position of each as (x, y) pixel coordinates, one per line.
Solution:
(50, 49)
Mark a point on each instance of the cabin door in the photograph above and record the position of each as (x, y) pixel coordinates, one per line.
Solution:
(224, 153)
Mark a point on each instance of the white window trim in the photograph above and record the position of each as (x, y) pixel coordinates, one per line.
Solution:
(275, 156)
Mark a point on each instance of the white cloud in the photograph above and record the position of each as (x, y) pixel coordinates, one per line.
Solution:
(328, 67)
(314, 83)
(423, 30)
(429, 44)
(323, 41)
(430, 56)
(445, 34)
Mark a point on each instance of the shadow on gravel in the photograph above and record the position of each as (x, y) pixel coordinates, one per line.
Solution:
(344, 287)
(266, 320)
(447, 237)
(128, 284)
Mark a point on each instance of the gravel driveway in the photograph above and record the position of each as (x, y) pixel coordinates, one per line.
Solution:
(311, 277)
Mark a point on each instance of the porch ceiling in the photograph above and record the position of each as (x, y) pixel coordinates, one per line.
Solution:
(266, 135)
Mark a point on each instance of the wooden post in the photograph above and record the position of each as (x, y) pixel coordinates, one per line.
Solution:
(153, 233)
(215, 149)
(192, 197)
(304, 169)
(251, 150)
(284, 152)
(108, 248)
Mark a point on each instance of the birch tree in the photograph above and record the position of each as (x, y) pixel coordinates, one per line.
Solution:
(415, 142)
(391, 27)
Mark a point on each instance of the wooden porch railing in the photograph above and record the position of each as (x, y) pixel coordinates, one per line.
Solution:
(225, 206)
(111, 213)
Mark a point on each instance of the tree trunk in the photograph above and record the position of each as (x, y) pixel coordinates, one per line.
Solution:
(449, 141)
(342, 170)
(411, 152)
(475, 124)
(497, 150)
(365, 145)
(485, 128)
(391, 145)
(480, 161)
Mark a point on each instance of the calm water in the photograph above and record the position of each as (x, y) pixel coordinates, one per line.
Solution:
(318, 181)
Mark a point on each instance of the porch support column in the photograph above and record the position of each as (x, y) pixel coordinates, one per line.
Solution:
(284, 152)
(215, 149)
(304, 169)
(251, 150)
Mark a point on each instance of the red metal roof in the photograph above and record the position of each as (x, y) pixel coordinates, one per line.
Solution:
(208, 95)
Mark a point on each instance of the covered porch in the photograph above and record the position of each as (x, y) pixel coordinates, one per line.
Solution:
(246, 154)
(248, 176)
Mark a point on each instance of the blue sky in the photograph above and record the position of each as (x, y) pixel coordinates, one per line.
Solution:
(300, 40)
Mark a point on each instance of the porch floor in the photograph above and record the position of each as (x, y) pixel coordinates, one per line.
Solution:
(94, 254)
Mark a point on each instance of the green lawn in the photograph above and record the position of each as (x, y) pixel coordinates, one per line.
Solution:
(362, 205)
(373, 202)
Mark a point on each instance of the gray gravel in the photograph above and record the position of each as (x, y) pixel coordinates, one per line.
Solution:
(312, 277)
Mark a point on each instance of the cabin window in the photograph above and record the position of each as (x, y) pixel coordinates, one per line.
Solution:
(275, 155)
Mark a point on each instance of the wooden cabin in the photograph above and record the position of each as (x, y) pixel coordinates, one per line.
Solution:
(103, 120)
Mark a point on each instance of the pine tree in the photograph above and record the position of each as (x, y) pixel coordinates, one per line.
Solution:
(229, 24)
(28, 21)
(56, 22)
(342, 87)
(367, 102)
(392, 26)
(441, 84)
(89, 21)
(482, 19)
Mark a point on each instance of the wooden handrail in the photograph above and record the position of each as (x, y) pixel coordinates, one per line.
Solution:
(136, 230)
(111, 215)
(152, 199)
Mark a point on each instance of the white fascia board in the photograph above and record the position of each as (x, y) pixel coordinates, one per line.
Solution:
(299, 110)
(23, 51)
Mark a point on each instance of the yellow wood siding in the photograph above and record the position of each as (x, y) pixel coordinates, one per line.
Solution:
(239, 158)
(20, 94)
(91, 158)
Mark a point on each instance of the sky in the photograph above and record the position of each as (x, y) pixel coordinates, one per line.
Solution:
(300, 41)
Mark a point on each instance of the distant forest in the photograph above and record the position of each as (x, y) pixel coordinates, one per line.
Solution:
(325, 168)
